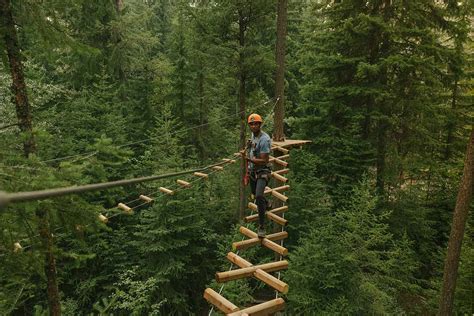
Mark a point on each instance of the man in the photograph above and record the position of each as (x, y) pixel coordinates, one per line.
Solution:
(258, 166)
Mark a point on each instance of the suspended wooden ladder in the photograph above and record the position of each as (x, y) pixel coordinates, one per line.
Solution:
(260, 271)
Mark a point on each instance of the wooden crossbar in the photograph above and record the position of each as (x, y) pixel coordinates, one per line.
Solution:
(183, 183)
(281, 149)
(247, 270)
(277, 219)
(166, 191)
(283, 157)
(202, 175)
(278, 210)
(217, 168)
(253, 206)
(279, 177)
(145, 198)
(103, 218)
(219, 301)
(279, 189)
(260, 272)
(127, 210)
(282, 171)
(244, 244)
(228, 160)
(265, 241)
(278, 161)
(280, 196)
(262, 309)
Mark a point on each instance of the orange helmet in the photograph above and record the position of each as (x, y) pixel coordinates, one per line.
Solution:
(254, 118)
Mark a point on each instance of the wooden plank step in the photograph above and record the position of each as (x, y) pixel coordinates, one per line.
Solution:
(103, 218)
(278, 161)
(202, 175)
(166, 191)
(219, 301)
(262, 309)
(280, 196)
(127, 210)
(244, 244)
(279, 177)
(283, 157)
(281, 149)
(145, 198)
(254, 217)
(183, 183)
(269, 190)
(217, 168)
(265, 241)
(260, 272)
(282, 171)
(277, 219)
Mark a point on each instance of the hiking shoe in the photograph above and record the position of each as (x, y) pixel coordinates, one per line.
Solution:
(261, 232)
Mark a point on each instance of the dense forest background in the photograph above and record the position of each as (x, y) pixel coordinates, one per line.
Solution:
(121, 89)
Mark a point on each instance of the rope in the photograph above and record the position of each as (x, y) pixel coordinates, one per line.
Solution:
(7, 198)
(178, 188)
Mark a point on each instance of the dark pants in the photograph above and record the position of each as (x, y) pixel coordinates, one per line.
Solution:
(258, 182)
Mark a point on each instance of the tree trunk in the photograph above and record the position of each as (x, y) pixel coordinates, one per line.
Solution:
(451, 120)
(278, 131)
(381, 152)
(242, 140)
(20, 97)
(50, 263)
(23, 112)
(457, 232)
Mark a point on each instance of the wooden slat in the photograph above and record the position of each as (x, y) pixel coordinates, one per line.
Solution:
(278, 161)
(103, 218)
(261, 271)
(282, 171)
(277, 219)
(278, 210)
(253, 206)
(183, 183)
(166, 191)
(202, 175)
(228, 160)
(248, 270)
(265, 241)
(244, 244)
(145, 198)
(219, 301)
(275, 247)
(17, 247)
(125, 208)
(278, 189)
(283, 157)
(217, 168)
(279, 177)
(280, 196)
(262, 309)
(281, 149)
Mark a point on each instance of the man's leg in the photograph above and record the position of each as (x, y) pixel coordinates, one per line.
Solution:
(261, 202)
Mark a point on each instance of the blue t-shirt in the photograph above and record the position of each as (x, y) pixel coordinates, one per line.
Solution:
(261, 144)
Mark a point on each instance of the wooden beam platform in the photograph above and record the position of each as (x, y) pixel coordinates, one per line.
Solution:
(290, 143)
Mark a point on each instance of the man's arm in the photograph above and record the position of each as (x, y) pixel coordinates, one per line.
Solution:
(261, 160)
